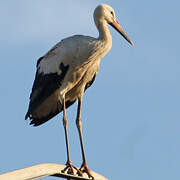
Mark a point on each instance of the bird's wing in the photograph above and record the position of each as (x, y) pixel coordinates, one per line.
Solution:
(53, 72)
(45, 84)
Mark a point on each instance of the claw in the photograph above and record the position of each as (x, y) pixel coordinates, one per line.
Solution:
(70, 169)
(84, 169)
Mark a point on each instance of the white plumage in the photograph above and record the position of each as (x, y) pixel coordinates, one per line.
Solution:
(67, 70)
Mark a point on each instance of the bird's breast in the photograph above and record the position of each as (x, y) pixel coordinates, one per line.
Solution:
(84, 82)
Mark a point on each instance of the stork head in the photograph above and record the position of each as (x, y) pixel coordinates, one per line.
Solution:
(105, 13)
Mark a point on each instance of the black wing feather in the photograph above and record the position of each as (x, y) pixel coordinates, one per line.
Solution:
(39, 121)
(44, 86)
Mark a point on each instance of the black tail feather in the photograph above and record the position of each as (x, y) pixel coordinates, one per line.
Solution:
(39, 121)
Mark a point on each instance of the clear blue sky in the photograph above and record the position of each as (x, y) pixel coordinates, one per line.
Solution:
(131, 114)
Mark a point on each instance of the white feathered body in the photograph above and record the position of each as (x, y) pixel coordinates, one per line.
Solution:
(65, 71)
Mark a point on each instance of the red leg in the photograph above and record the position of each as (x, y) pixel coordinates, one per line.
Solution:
(84, 166)
(69, 167)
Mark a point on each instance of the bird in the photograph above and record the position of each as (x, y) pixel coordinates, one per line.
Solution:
(66, 71)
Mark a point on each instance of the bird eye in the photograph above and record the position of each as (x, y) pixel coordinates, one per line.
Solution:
(112, 13)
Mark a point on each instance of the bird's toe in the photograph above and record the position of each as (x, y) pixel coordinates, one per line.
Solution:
(84, 169)
(70, 169)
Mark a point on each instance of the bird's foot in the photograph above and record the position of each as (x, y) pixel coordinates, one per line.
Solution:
(70, 169)
(84, 169)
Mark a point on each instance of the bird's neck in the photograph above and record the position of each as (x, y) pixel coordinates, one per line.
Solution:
(104, 37)
(104, 33)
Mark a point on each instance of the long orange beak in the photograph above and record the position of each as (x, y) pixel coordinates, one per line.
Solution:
(118, 27)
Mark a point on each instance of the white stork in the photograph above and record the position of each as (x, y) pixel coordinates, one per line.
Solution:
(66, 71)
